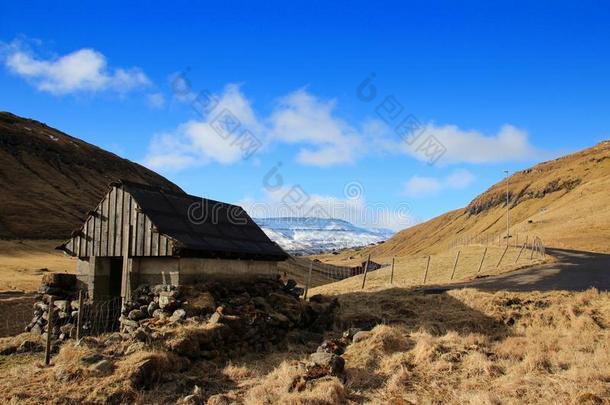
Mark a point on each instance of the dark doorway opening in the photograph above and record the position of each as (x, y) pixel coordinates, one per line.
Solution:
(102, 314)
(115, 276)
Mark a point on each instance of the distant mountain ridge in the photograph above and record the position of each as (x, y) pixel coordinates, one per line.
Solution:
(50, 180)
(316, 235)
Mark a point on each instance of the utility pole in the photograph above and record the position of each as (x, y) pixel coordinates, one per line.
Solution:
(507, 208)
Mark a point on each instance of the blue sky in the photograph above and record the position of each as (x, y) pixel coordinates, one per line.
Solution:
(490, 86)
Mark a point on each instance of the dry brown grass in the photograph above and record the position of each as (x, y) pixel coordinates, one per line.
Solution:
(459, 347)
(22, 263)
(281, 387)
(409, 271)
(465, 347)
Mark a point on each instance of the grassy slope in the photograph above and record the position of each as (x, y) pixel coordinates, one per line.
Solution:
(573, 190)
(50, 179)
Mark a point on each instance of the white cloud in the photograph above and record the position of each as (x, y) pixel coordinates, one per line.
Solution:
(460, 178)
(469, 146)
(170, 152)
(156, 100)
(84, 70)
(299, 118)
(420, 186)
(302, 118)
(197, 142)
(323, 139)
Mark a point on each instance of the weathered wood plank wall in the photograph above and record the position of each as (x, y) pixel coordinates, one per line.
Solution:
(102, 232)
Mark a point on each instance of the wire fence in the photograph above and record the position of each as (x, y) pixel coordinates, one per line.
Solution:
(98, 316)
(514, 239)
(101, 316)
(460, 263)
(321, 273)
(15, 317)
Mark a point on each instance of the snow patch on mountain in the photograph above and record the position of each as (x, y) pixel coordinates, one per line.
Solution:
(317, 235)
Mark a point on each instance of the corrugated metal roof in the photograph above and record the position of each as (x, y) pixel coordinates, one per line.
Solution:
(199, 225)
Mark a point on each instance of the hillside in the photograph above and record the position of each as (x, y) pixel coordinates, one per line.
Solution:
(50, 179)
(564, 201)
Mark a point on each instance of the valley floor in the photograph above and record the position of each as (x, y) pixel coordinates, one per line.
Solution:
(431, 346)
(23, 262)
(457, 347)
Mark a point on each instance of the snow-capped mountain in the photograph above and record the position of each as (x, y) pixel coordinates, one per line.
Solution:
(316, 235)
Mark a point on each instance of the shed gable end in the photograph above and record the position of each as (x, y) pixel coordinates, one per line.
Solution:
(116, 216)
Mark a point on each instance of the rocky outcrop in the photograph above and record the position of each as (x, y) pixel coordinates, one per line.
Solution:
(490, 200)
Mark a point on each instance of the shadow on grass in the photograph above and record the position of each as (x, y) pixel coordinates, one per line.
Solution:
(436, 313)
(574, 270)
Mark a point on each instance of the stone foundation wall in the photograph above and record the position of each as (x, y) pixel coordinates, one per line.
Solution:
(94, 272)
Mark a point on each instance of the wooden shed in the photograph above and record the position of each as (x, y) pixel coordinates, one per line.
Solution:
(143, 234)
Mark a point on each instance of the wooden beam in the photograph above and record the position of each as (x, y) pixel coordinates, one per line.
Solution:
(308, 280)
(427, 267)
(126, 276)
(482, 260)
(50, 314)
(457, 257)
(520, 251)
(126, 242)
(502, 257)
(366, 269)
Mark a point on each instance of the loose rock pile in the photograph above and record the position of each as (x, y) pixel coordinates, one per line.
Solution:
(327, 359)
(156, 302)
(63, 288)
(219, 320)
(211, 320)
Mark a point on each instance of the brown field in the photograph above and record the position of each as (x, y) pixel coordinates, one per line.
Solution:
(460, 347)
(22, 263)
(457, 347)
(409, 271)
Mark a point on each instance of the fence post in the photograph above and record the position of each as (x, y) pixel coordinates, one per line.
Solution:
(47, 351)
(502, 257)
(392, 273)
(366, 269)
(532, 248)
(520, 251)
(457, 257)
(308, 280)
(482, 259)
(426, 273)
(79, 318)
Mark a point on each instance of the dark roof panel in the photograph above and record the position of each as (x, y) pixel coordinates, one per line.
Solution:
(205, 226)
